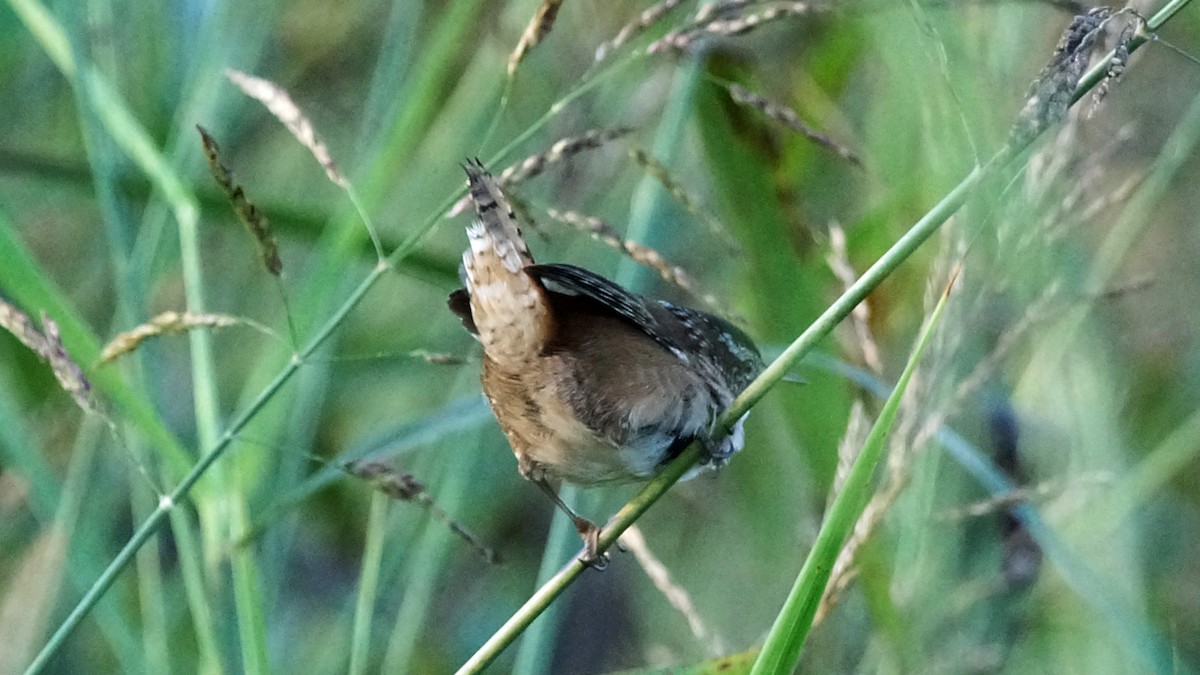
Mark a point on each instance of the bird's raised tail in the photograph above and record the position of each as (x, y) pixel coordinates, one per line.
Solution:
(508, 307)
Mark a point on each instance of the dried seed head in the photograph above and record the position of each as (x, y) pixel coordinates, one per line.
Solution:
(791, 119)
(562, 149)
(726, 19)
(1050, 94)
(659, 172)
(167, 323)
(539, 27)
(280, 104)
(247, 212)
(393, 483)
(70, 376)
(47, 344)
(406, 488)
(533, 165)
(725, 8)
(643, 255)
(644, 21)
(1116, 66)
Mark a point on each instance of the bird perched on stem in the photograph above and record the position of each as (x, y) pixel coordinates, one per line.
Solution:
(591, 383)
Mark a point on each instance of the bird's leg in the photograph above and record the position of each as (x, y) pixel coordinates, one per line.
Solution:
(589, 531)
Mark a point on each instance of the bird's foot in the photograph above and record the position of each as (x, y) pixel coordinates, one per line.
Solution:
(716, 452)
(590, 533)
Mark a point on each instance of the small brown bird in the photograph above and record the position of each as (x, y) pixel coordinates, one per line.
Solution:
(590, 383)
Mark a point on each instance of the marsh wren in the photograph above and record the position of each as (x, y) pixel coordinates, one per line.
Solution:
(591, 383)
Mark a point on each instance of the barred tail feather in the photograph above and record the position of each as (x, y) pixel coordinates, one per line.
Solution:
(507, 305)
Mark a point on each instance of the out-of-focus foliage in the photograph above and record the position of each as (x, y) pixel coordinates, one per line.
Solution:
(1068, 356)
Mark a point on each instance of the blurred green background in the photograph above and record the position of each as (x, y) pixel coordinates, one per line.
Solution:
(1069, 354)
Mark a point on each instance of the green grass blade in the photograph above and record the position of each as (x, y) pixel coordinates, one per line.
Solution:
(99, 96)
(181, 491)
(1135, 634)
(368, 583)
(429, 563)
(537, 645)
(130, 286)
(781, 651)
(28, 599)
(20, 454)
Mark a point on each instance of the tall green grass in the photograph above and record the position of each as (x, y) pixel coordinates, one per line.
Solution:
(269, 559)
